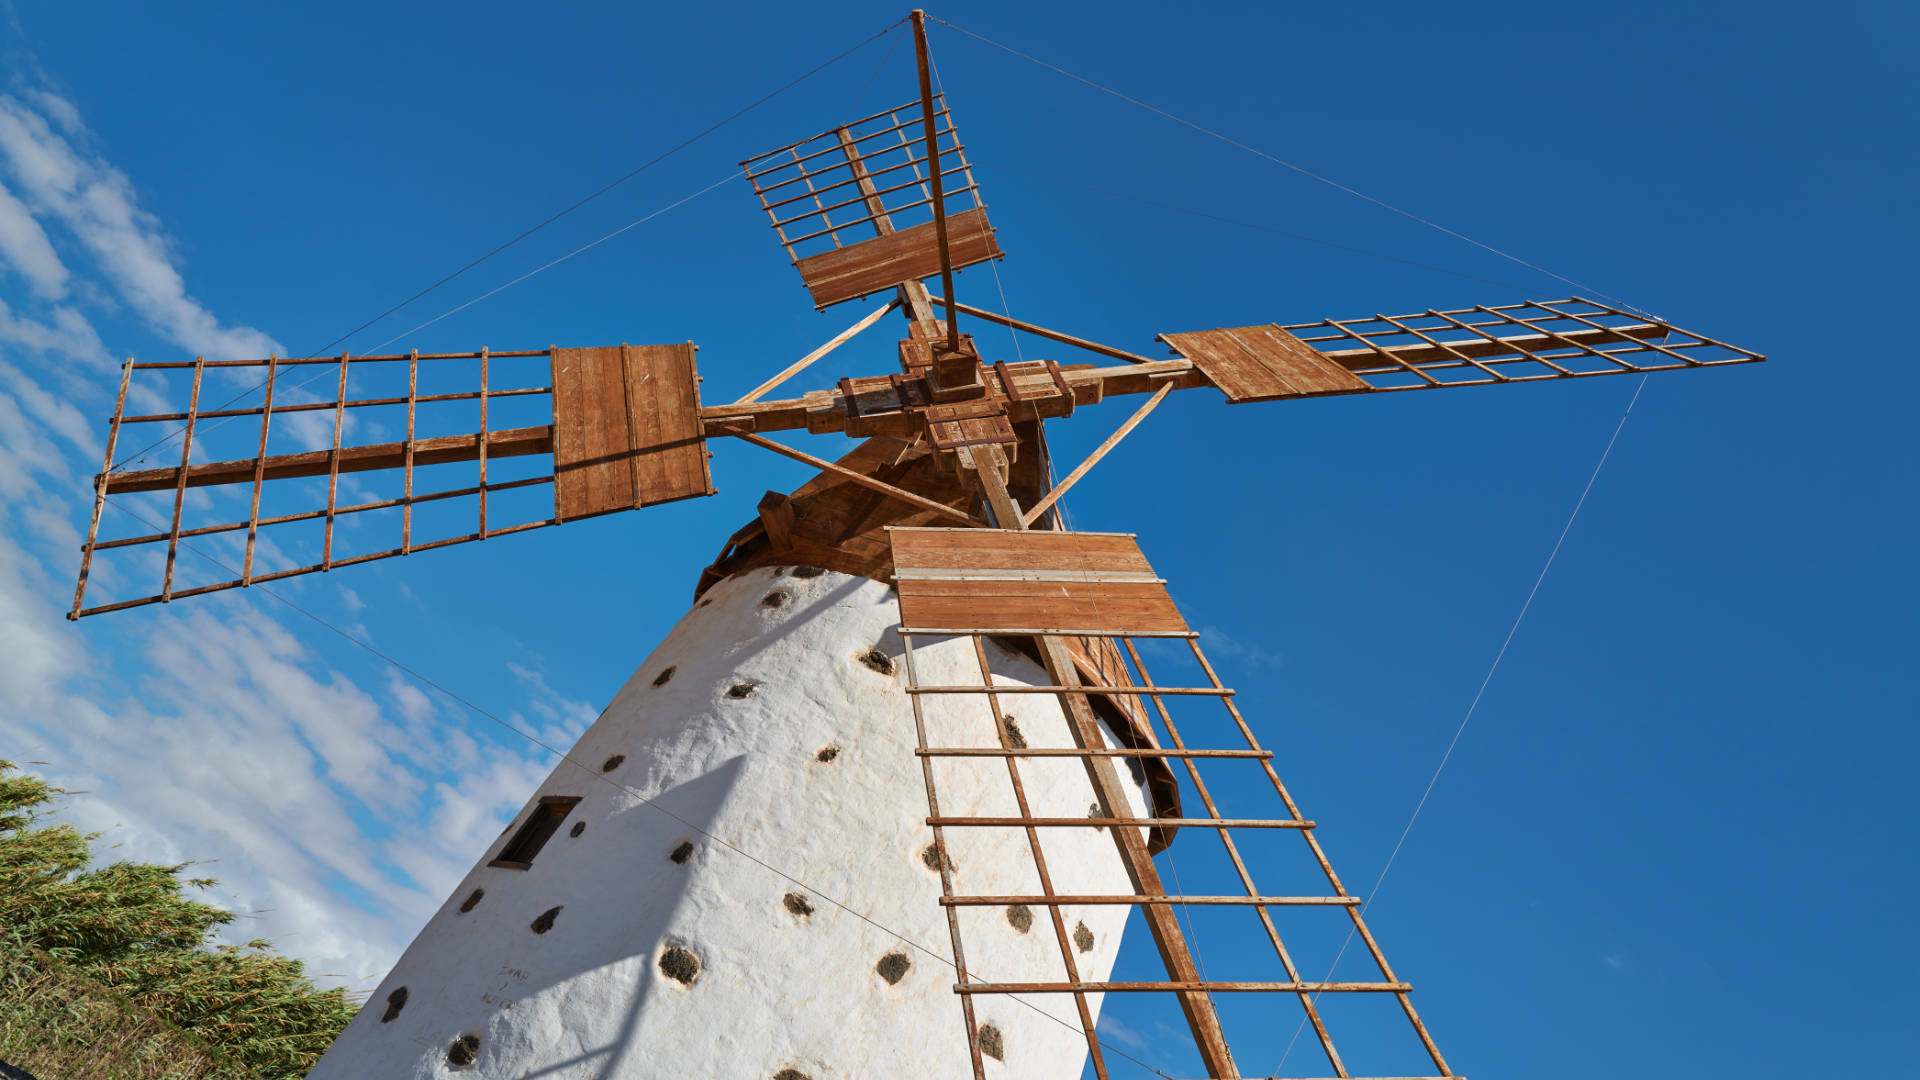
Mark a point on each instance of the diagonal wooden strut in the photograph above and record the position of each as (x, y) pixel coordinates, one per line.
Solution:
(1099, 452)
(860, 478)
(806, 361)
(1041, 331)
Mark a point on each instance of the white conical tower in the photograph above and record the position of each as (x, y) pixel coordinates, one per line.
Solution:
(745, 887)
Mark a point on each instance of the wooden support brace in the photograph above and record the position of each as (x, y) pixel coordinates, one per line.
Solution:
(1099, 452)
(860, 478)
(804, 362)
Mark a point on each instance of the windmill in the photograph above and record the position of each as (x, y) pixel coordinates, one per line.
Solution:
(905, 760)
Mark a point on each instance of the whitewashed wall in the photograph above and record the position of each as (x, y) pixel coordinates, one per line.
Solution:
(777, 989)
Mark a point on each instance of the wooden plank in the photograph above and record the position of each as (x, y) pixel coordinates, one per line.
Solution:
(512, 442)
(907, 255)
(668, 444)
(1004, 594)
(591, 474)
(983, 549)
(1263, 363)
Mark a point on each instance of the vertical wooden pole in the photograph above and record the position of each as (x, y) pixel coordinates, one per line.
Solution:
(483, 443)
(333, 465)
(406, 508)
(1040, 861)
(180, 486)
(943, 865)
(933, 168)
(259, 471)
(100, 488)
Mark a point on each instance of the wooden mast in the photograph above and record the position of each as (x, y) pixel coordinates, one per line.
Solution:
(985, 468)
(933, 171)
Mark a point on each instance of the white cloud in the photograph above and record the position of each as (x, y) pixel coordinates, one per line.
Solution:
(96, 203)
(1111, 1027)
(337, 809)
(566, 718)
(67, 334)
(24, 247)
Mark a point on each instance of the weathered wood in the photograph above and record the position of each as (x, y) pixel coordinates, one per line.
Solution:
(907, 255)
(100, 491)
(590, 438)
(1099, 452)
(856, 477)
(1041, 331)
(333, 466)
(180, 487)
(1049, 579)
(626, 429)
(1263, 363)
(513, 442)
(259, 474)
(776, 516)
(1026, 550)
(663, 417)
(806, 361)
(933, 169)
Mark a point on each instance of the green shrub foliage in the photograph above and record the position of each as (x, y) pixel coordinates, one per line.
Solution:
(86, 948)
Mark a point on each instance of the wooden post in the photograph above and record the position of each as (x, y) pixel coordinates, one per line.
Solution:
(180, 489)
(333, 465)
(933, 170)
(259, 471)
(100, 488)
(406, 507)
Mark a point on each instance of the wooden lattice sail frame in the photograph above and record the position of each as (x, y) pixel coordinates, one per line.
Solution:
(1095, 592)
(824, 195)
(952, 439)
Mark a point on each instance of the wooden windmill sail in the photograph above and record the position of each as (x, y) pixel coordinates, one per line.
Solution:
(947, 497)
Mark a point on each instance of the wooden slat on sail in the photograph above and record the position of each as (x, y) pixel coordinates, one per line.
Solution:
(1263, 363)
(626, 429)
(1004, 581)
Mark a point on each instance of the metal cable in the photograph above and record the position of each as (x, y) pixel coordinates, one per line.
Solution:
(596, 774)
(1475, 704)
(1286, 164)
(630, 174)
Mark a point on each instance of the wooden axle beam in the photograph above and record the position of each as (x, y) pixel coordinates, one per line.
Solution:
(827, 411)
(513, 442)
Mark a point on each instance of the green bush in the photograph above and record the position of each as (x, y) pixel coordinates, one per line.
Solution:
(107, 972)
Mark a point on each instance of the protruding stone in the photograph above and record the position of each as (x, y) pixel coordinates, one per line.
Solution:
(464, 1051)
(893, 967)
(680, 965)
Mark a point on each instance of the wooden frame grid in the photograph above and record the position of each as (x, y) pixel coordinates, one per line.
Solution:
(1172, 746)
(405, 456)
(1480, 346)
(830, 190)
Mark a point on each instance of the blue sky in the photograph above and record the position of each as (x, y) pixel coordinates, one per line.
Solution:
(1682, 798)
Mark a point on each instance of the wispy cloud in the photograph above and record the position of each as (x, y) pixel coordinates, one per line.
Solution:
(25, 249)
(58, 178)
(1113, 1028)
(338, 808)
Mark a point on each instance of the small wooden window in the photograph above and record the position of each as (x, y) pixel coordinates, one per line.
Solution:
(534, 834)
